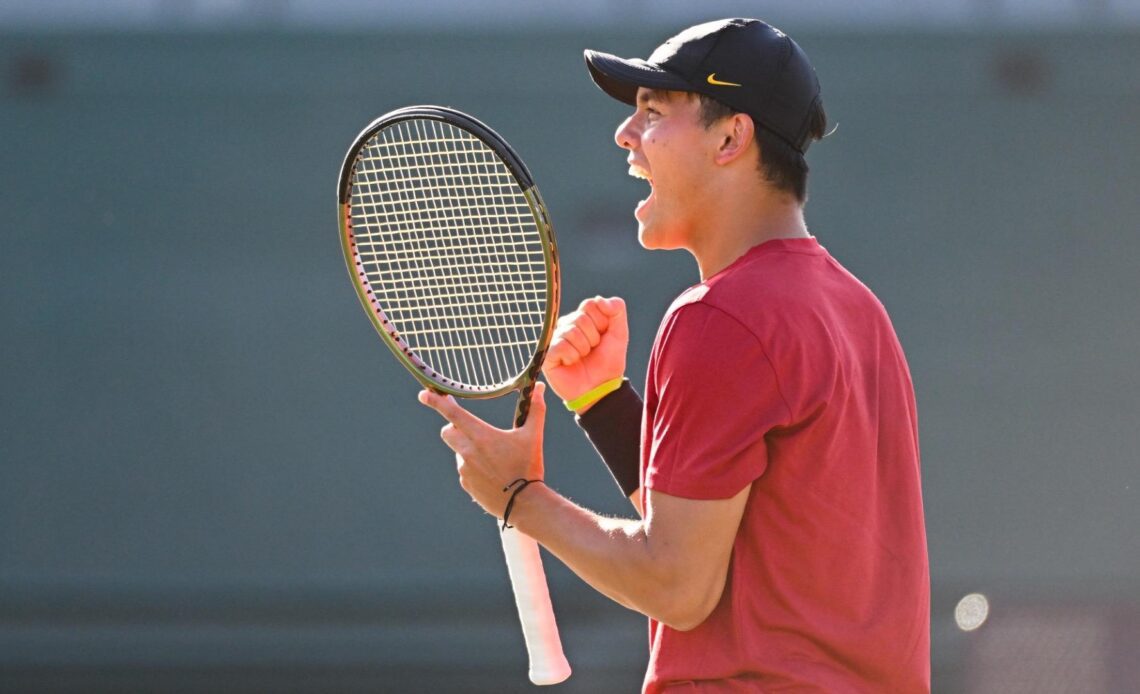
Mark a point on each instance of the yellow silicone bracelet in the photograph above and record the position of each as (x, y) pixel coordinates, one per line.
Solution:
(593, 395)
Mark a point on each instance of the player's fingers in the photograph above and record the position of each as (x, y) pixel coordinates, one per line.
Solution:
(599, 320)
(605, 311)
(615, 311)
(564, 323)
(537, 416)
(455, 439)
(589, 328)
(561, 353)
(574, 335)
(591, 307)
(612, 306)
(450, 410)
(594, 301)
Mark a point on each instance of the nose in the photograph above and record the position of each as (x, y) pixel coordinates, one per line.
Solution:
(628, 133)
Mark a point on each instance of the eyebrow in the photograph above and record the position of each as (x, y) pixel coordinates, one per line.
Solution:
(649, 94)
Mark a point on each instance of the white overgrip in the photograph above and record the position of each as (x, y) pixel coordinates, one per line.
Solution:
(524, 564)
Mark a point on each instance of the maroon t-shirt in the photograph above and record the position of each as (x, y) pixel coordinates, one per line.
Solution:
(783, 371)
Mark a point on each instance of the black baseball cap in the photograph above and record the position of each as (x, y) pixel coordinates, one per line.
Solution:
(745, 64)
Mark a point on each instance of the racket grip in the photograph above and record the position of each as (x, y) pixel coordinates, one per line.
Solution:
(522, 407)
(532, 597)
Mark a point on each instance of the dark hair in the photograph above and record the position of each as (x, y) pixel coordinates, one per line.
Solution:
(780, 164)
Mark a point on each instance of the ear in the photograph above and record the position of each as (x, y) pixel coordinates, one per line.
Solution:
(737, 133)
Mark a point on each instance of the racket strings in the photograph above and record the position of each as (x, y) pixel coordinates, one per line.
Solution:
(406, 299)
(451, 251)
(505, 340)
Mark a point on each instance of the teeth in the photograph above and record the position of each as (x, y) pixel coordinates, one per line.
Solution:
(638, 172)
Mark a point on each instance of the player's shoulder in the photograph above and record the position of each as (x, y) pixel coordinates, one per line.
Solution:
(781, 283)
(775, 275)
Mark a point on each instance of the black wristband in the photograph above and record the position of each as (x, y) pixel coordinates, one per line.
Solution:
(613, 425)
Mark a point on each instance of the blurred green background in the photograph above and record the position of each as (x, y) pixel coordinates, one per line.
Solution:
(213, 476)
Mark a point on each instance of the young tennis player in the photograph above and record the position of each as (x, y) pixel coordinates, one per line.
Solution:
(781, 544)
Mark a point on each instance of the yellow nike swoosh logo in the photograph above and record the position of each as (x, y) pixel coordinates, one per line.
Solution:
(714, 81)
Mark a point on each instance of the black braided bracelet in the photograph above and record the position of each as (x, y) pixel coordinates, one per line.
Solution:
(519, 485)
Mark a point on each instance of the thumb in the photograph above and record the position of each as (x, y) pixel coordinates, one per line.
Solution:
(534, 410)
(538, 404)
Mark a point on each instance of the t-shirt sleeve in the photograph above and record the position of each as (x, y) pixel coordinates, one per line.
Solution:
(717, 398)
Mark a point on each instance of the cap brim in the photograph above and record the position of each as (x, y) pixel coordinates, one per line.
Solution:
(620, 77)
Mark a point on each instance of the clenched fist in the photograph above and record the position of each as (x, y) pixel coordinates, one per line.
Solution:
(588, 347)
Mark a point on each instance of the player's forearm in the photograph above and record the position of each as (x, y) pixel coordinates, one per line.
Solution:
(613, 426)
(617, 557)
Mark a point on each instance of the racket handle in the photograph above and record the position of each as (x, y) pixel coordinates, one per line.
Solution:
(522, 407)
(524, 564)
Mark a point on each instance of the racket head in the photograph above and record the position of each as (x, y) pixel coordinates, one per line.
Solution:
(420, 189)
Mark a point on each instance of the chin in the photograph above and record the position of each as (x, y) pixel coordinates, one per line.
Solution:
(654, 238)
(648, 241)
(644, 238)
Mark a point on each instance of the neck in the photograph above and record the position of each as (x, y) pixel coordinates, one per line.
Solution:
(736, 228)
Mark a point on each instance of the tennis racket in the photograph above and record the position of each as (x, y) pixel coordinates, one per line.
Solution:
(452, 254)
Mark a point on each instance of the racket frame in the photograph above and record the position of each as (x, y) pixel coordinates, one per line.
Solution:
(548, 664)
(424, 373)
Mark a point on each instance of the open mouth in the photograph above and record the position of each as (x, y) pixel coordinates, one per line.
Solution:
(639, 172)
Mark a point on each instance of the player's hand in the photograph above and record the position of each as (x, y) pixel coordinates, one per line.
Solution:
(488, 458)
(588, 347)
